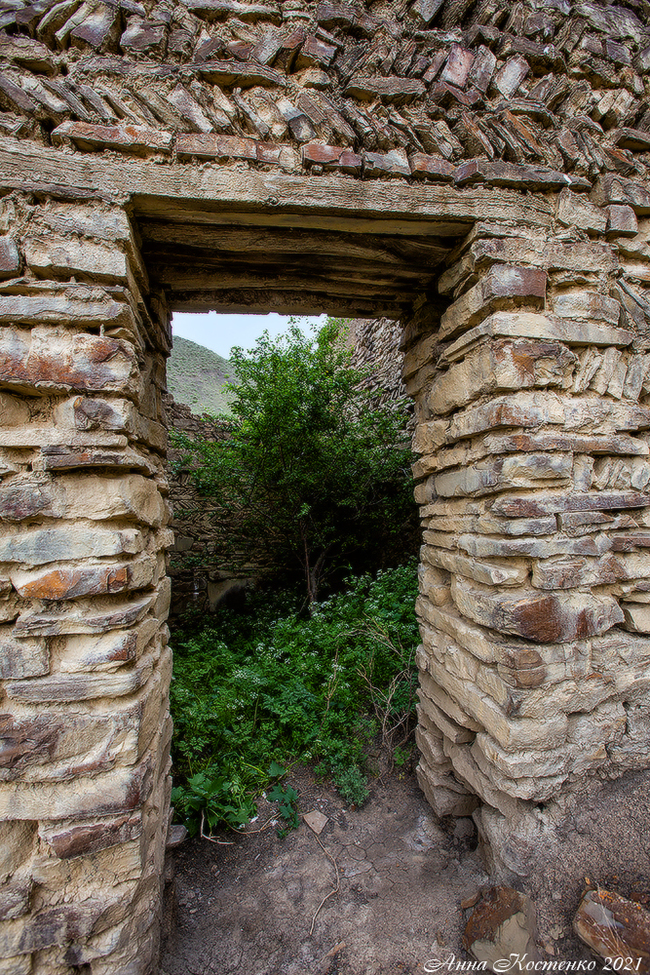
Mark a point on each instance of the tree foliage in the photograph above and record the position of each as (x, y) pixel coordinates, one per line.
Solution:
(313, 474)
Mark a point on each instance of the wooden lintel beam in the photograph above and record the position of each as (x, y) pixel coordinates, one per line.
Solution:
(215, 193)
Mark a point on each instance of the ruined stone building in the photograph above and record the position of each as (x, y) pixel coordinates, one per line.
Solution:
(477, 170)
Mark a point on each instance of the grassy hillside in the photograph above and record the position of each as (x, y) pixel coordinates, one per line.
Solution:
(195, 377)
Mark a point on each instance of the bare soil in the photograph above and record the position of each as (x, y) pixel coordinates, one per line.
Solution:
(378, 891)
(381, 891)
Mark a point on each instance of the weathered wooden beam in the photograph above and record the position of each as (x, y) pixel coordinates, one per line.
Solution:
(232, 240)
(162, 263)
(345, 286)
(216, 194)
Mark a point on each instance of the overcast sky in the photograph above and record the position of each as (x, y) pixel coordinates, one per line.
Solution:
(221, 332)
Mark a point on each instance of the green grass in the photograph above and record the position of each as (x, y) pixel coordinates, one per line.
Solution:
(255, 691)
(196, 376)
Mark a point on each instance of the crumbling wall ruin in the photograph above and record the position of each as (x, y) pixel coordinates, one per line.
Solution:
(476, 170)
(200, 575)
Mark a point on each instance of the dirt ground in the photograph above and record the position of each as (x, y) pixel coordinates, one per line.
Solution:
(378, 892)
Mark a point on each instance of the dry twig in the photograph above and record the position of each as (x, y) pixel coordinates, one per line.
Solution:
(334, 890)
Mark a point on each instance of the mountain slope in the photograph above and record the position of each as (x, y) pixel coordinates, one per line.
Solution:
(195, 377)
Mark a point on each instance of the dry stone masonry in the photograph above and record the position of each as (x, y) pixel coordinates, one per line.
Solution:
(477, 170)
(533, 485)
(200, 563)
(84, 657)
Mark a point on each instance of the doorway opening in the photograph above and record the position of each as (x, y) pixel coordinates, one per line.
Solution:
(306, 703)
(296, 528)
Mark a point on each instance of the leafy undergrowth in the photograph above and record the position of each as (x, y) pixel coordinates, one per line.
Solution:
(257, 690)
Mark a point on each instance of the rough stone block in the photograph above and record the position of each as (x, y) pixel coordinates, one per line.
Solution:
(439, 719)
(483, 571)
(540, 618)
(37, 546)
(484, 645)
(445, 795)
(243, 74)
(15, 898)
(22, 658)
(621, 221)
(53, 257)
(437, 694)
(137, 139)
(637, 617)
(572, 573)
(89, 579)
(83, 617)
(614, 189)
(54, 359)
(80, 839)
(575, 211)
(434, 168)
(501, 365)
(9, 259)
(212, 146)
(66, 303)
(56, 457)
(14, 412)
(545, 504)
(332, 158)
(510, 76)
(541, 327)
(389, 89)
(18, 840)
(499, 173)
(503, 283)
(315, 53)
(393, 163)
(78, 654)
(457, 68)
(588, 305)
(426, 10)
(132, 496)
(575, 442)
(503, 926)
(499, 473)
(540, 548)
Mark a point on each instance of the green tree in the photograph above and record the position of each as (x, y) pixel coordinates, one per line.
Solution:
(313, 473)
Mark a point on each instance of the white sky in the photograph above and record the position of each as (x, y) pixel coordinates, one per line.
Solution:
(221, 332)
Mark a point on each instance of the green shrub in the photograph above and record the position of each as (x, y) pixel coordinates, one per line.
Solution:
(256, 688)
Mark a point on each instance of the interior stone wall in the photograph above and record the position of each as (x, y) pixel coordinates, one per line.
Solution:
(201, 577)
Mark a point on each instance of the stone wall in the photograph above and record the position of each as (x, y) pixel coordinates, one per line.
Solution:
(533, 404)
(199, 571)
(375, 345)
(84, 661)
